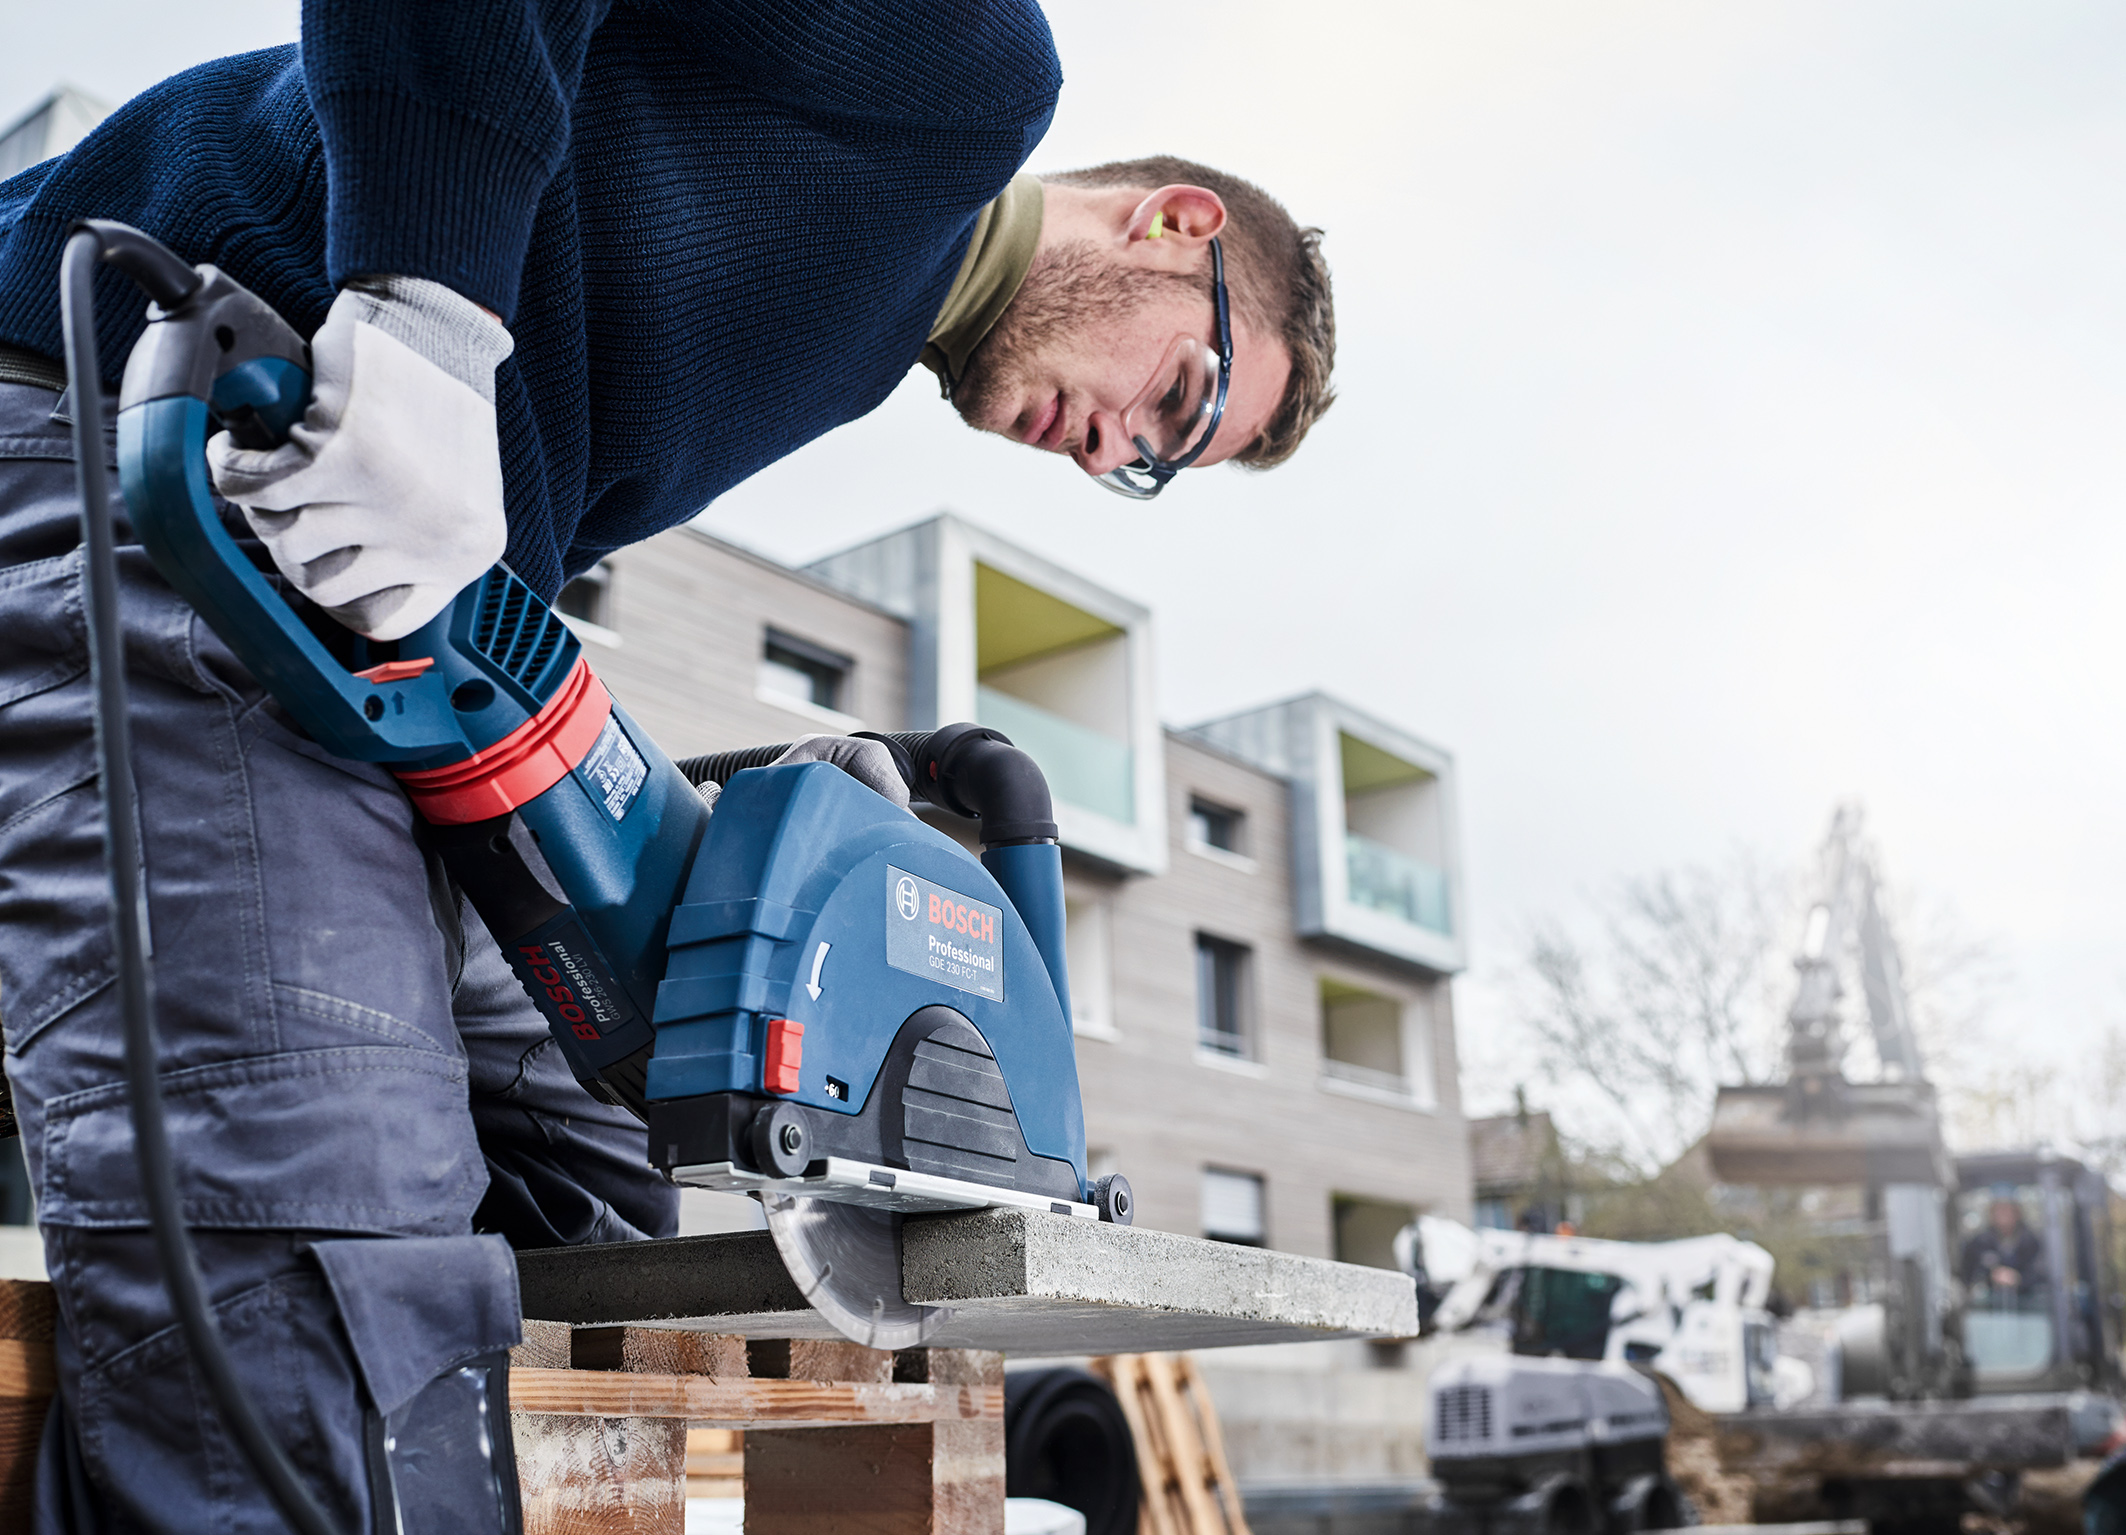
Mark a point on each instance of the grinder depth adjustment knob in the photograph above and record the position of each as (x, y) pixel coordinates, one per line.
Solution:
(780, 1140)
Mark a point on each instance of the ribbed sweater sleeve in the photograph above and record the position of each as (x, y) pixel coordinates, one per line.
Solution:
(442, 122)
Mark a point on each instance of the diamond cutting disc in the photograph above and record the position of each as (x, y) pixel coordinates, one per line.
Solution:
(847, 1261)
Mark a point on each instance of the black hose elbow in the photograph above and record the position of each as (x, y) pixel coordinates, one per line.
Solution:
(976, 772)
(967, 769)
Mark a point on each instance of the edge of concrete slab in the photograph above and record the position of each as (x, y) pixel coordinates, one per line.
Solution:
(1022, 1281)
(957, 1260)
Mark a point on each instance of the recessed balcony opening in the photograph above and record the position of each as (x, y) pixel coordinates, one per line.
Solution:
(1394, 836)
(1362, 1036)
(1055, 678)
(1365, 1229)
(1377, 1043)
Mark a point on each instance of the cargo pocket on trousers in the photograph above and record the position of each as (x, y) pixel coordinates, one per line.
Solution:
(43, 642)
(432, 1320)
(55, 944)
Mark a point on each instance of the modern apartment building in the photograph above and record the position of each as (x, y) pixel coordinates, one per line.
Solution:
(1264, 911)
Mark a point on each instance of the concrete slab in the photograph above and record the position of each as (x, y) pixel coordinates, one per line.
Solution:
(1016, 1280)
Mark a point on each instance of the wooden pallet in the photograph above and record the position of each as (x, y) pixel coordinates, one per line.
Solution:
(614, 1426)
(716, 1463)
(1188, 1487)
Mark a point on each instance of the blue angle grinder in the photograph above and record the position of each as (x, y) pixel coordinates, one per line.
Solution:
(805, 992)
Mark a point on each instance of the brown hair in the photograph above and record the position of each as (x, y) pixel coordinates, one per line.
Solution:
(1280, 284)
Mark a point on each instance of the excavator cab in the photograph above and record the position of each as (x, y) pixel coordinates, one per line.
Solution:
(2041, 1306)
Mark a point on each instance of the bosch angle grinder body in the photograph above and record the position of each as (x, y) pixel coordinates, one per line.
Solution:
(809, 994)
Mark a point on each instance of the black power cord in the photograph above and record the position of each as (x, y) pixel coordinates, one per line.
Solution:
(122, 856)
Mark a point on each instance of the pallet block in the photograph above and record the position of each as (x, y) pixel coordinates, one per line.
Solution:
(834, 1439)
(28, 1316)
(844, 1438)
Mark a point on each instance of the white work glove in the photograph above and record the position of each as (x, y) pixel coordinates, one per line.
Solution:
(386, 501)
(868, 762)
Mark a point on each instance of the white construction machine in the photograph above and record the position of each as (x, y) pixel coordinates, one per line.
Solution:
(1562, 1430)
(1692, 1309)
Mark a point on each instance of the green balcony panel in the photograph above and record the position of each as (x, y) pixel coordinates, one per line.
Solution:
(1084, 768)
(1397, 884)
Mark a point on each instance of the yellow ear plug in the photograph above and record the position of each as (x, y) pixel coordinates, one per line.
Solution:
(1158, 227)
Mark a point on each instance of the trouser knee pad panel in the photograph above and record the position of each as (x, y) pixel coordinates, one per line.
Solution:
(443, 1462)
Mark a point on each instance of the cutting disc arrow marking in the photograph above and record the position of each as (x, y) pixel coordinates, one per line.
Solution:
(819, 957)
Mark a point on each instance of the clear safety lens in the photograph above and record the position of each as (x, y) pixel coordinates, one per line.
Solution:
(1174, 412)
(1134, 481)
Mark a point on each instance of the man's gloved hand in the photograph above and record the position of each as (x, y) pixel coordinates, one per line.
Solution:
(868, 762)
(387, 499)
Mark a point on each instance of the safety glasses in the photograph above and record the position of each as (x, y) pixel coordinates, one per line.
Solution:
(1173, 421)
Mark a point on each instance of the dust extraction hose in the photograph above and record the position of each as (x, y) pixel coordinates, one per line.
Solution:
(969, 770)
(122, 857)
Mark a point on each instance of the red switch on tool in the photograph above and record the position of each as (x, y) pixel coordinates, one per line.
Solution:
(397, 671)
(786, 1052)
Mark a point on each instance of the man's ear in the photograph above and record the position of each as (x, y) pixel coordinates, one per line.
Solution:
(1177, 218)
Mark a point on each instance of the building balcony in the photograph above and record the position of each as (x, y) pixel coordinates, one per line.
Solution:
(1001, 636)
(1383, 880)
(1083, 766)
(1375, 847)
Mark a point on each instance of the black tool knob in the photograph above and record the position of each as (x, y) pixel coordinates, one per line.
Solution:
(780, 1140)
(1112, 1197)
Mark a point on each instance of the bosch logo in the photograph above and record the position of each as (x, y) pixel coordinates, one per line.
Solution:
(563, 1000)
(907, 899)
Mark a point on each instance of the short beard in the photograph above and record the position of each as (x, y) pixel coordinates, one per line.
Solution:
(1069, 289)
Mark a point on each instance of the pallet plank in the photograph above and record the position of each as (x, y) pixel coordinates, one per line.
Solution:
(1187, 1484)
(714, 1403)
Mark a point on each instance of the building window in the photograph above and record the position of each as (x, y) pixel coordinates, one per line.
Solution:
(798, 671)
(1216, 826)
(1232, 1207)
(589, 597)
(1221, 995)
(1366, 1229)
(1088, 944)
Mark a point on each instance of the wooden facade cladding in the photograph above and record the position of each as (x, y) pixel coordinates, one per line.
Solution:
(691, 614)
(1166, 1110)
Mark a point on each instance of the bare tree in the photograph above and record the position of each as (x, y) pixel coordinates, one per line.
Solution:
(1678, 983)
(1669, 1000)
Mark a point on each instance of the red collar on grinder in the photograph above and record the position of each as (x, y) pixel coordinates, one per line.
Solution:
(522, 765)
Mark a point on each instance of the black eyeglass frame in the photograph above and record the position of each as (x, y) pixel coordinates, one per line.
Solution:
(1159, 470)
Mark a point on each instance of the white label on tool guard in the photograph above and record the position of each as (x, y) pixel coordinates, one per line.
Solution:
(942, 934)
(614, 769)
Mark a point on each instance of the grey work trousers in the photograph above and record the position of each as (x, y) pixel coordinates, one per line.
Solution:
(363, 1103)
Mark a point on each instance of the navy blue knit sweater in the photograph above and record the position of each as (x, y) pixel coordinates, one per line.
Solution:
(717, 230)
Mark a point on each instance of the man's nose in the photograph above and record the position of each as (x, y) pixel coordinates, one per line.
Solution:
(1106, 445)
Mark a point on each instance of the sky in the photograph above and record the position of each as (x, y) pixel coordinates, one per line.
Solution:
(1730, 424)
